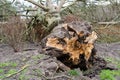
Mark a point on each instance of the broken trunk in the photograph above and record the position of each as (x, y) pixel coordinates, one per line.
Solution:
(73, 44)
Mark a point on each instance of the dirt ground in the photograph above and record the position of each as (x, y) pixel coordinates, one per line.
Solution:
(30, 64)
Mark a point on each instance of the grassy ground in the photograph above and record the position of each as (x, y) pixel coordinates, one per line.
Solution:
(107, 34)
(111, 74)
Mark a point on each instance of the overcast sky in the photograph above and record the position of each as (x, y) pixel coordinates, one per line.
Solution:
(29, 4)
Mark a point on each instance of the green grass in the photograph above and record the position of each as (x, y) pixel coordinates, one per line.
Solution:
(109, 75)
(5, 64)
(7, 73)
(23, 76)
(11, 71)
(114, 61)
(7, 68)
(73, 73)
(1, 70)
(39, 56)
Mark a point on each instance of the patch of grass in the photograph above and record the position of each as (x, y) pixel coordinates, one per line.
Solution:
(114, 61)
(109, 75)
(13, 64)
(109, 34)
(5, 74)
(6, 69)
(1, 70)
(11, 71)
(39, 56)
(1, 77)
(23, 75)
(73, 73)
(5, 64)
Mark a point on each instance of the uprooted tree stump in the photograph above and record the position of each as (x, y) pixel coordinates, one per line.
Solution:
(73, 44)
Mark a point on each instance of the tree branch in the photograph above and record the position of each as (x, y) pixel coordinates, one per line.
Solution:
(6, 3)
(39, 5)
(60, 5)
(49, 3)
(69, 5)
(26, 10)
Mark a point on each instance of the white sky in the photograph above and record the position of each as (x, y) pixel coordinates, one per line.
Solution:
(25, 2)
(29, 4)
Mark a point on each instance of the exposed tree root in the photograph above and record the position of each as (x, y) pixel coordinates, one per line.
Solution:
(76, 45)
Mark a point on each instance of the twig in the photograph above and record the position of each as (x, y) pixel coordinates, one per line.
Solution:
(24, 67)
(111, 22)
(60, 5)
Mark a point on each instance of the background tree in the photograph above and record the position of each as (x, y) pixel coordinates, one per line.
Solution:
(6, 9)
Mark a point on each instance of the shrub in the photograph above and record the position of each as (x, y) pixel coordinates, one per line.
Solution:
(12, 32)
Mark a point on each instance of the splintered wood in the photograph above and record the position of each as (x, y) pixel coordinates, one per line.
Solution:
(79, 41)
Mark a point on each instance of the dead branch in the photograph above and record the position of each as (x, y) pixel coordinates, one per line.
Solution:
(106, 23)
(69, 5)
(26, 15)
(23, 68)
(39, 5)
(28, 9)
(49, 4)
(60, 5)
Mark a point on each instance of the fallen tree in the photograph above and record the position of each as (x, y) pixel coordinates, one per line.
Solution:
(73, 44)
(48, 16)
